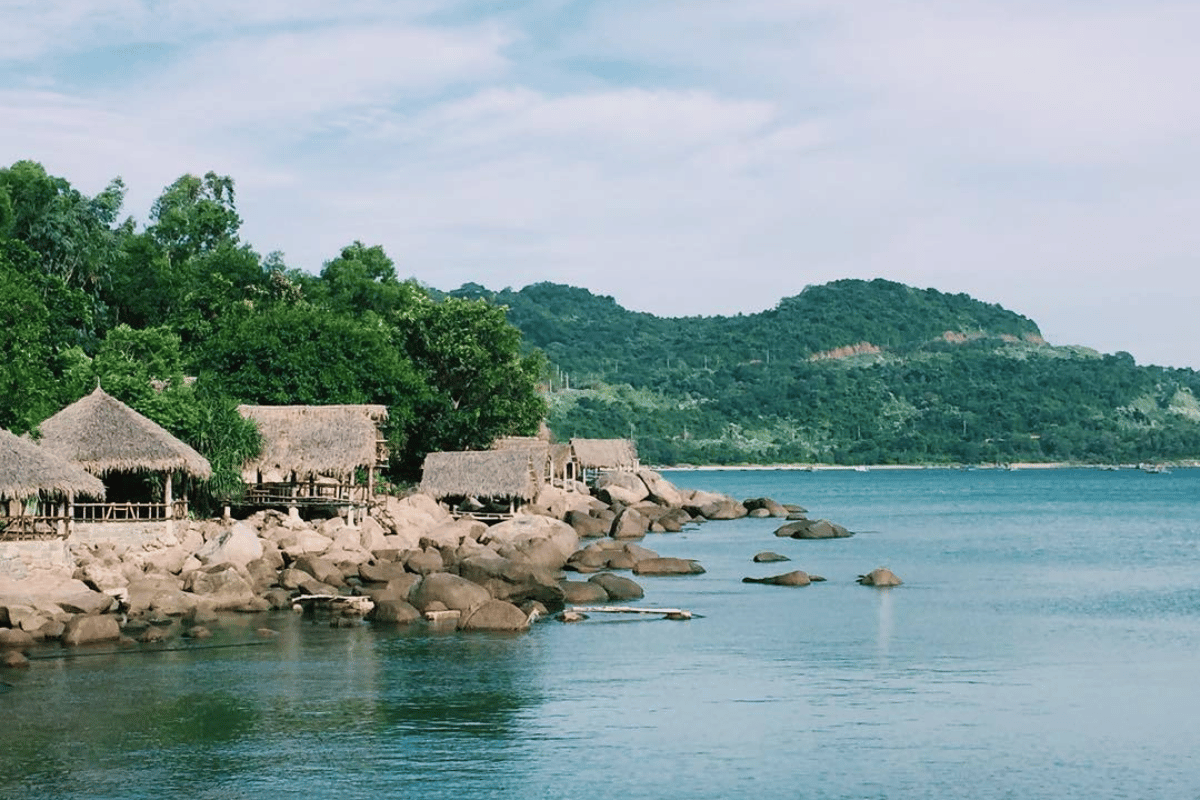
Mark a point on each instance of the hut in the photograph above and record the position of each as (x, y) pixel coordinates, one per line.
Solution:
(559, 469)
(311, 455)
(38, 490)
(590, 457)
(137, 459)
(488, 484)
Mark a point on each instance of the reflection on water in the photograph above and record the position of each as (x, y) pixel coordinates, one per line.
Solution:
(1043, 644)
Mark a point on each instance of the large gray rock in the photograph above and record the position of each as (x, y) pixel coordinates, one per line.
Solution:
(13, 638)
(222, 586)
(813, 529)
(766, 557)
(91, 628)
(529, 535)
(322, 569)
(453, 592)
(587, 525)
(160, 595)
(667, 566)
(87, 603)
(583, 593)
(381, 571)
(238, 544)
(617, 587)
(425, 562)
(396, 611)
(622, 487)
(494, 615)
(661, 490)
(881, 577)
(629, 524)
(794, 578)
(772, 508)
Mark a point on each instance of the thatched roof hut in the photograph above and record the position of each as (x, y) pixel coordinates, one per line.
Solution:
(102, 435)
(598, 454)
(514, 474)
(307, 441)
(27, 470)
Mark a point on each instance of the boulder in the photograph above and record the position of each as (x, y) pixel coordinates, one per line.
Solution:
(494, 615)
(238, 544)
(104, 575)
(661, 490)
(299, 580)
(453, 592)
(13, 659)
(674, 520)
(667, 566)
(90, 628)
(881, 577)
(759, 513)
(222, 586)
(398, 589)
(772, 508)
(623, 487)
(795, 578)
(13, 638)
(395, 611)
(87, 603)
(324, 570)
(304, 542)
(813, 529)
(168, 560)
(587, 525)
(381, 571)
(617, 588)
(629, 524)
(589, 559)
(425, 562)
(159, 595)
(528, 534)
(583, 592)
(766, 557)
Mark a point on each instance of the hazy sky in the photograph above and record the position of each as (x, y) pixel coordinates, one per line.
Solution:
(685, 156)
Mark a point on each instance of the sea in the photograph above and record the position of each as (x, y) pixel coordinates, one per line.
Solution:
(1044, 644)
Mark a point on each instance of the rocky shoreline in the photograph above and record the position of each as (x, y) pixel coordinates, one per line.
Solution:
(408, 562)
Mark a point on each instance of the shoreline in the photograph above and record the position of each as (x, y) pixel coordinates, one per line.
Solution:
(1014, 466)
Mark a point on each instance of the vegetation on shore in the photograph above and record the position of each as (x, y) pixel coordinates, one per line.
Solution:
(87, 297)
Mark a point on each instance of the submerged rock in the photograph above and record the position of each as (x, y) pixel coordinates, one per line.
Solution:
(881, 577)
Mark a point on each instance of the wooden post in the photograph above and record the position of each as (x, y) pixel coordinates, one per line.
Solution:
(170, 503)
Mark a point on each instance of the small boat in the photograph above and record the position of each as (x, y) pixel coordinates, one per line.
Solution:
(1155, 469)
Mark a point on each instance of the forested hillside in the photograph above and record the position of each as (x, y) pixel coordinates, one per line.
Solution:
(852, 372)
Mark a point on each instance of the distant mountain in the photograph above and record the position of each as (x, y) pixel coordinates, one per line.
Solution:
(847, 372)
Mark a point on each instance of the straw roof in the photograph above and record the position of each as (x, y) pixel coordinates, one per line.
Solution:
(315, 440)
(604, 453)
(27, 470)
(483, 473)
(102, 434)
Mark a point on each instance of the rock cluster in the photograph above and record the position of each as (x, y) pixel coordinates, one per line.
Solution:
(409, 560)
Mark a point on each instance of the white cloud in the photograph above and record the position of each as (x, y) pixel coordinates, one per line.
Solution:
(700, 157)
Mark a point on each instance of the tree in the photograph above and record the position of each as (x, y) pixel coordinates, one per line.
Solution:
(481, 385)
(363, 279)
(26, 380)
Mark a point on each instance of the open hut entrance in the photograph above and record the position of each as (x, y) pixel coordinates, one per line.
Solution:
(135, 496)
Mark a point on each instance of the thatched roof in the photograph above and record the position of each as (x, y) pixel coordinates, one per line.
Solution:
(483, 473)
(27, 470)
(604, 453)
(315, 440)
(102, 434)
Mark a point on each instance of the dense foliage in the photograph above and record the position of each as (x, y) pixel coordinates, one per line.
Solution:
(852, 372)
(88, 298)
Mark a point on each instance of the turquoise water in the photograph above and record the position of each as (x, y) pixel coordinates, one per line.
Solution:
(1044, 645)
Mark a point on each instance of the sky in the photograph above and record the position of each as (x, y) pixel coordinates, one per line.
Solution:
(686, 157)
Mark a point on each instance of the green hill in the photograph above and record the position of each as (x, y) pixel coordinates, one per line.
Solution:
(848, 372)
